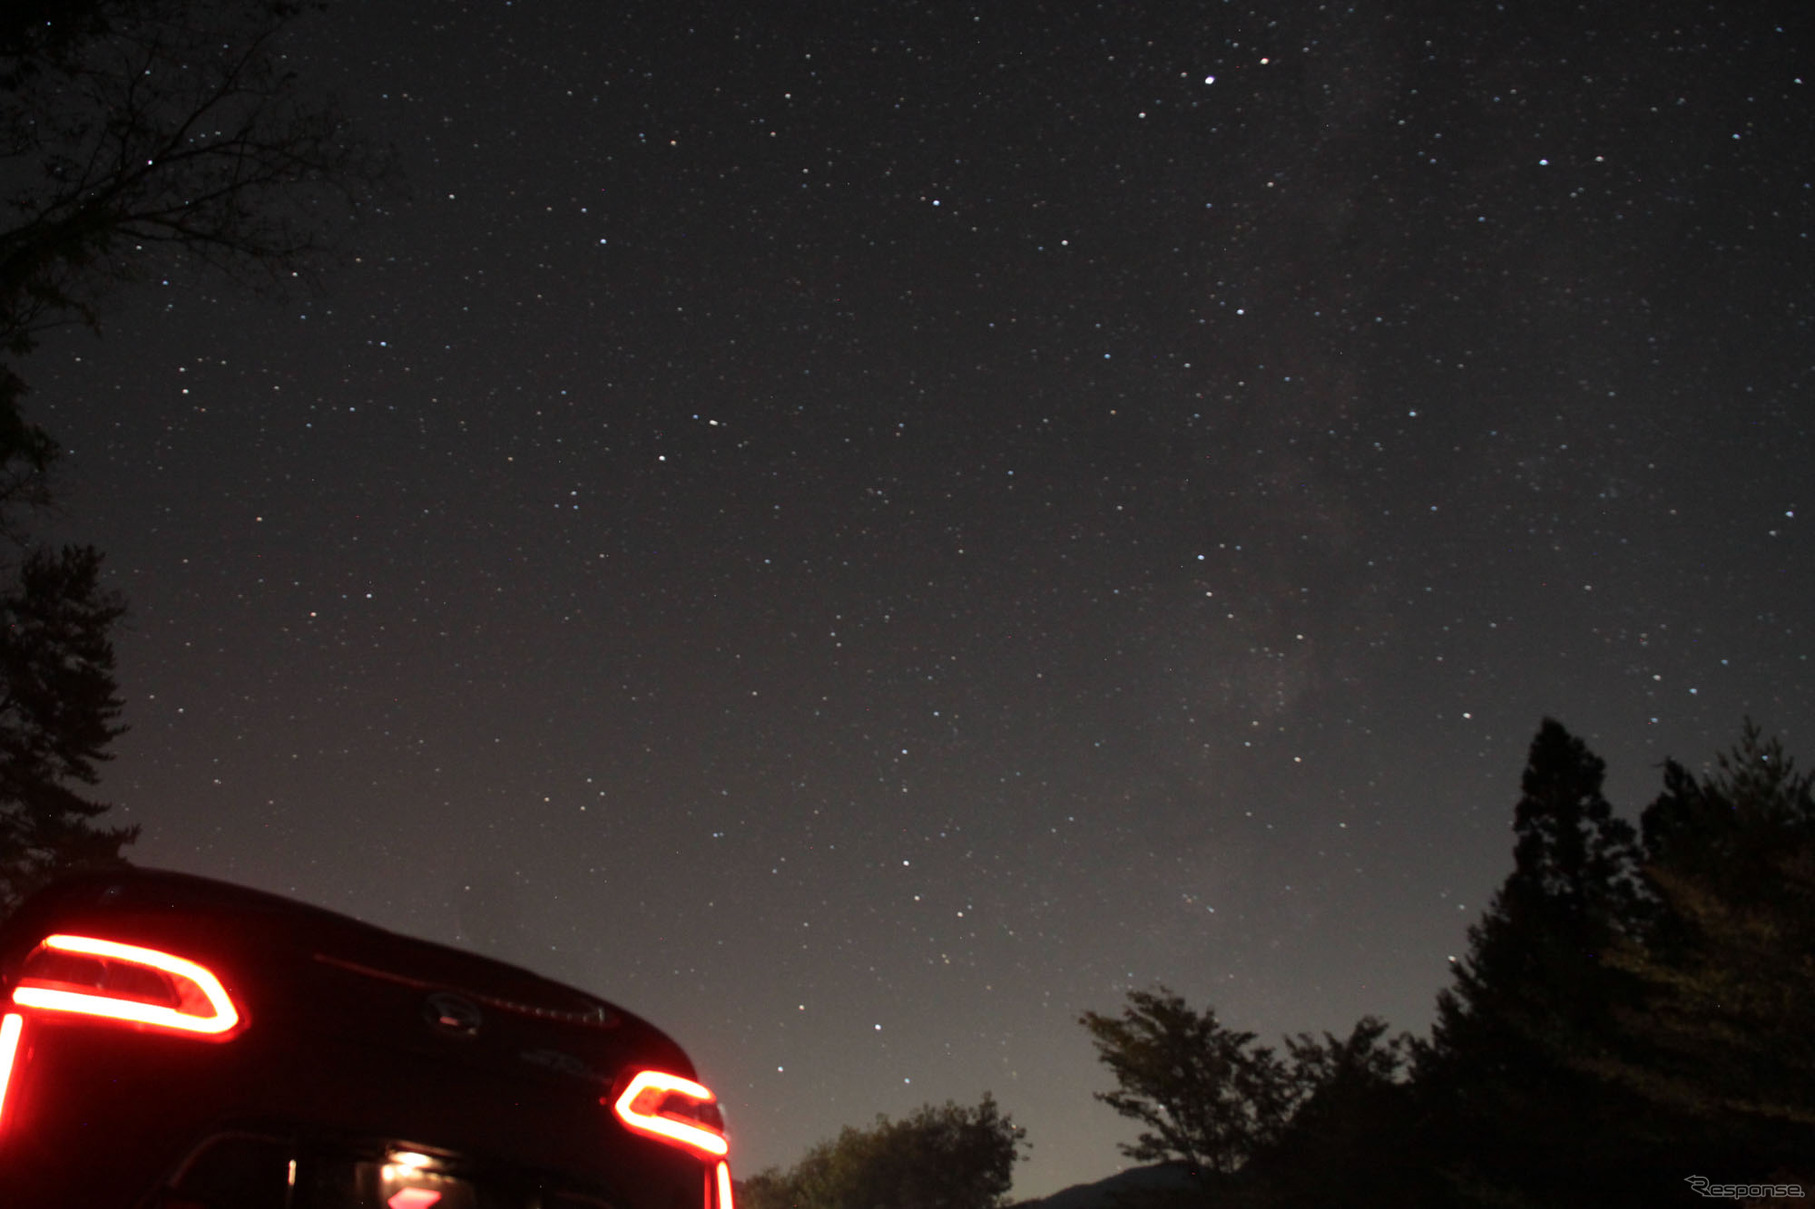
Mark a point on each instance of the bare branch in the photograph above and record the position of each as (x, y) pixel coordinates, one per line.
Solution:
(175, 130)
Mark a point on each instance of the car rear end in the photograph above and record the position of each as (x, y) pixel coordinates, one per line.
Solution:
(178, 1043)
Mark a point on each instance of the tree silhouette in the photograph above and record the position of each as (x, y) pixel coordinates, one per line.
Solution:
(58, 708)
(1534, 954)
(1203, 1092)
(1351, 1128)
(1510, 1113)
(1333, 1116)
(134, 127)
(1724, 1029)
(949, 1157)
(132, 133)
(1625, 1016)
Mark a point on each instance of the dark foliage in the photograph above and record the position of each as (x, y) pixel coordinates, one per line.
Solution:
(1511, 1118)
(132, 132)
(1350, 1128)
(1627, 1015)
(1724, 1031)
(1630, 1015)
(1204, 1093)
(133, 127)
(949, 1157)
(1332, 1114)
(59, 706)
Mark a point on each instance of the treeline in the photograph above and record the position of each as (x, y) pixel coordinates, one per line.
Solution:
(1633, 1024)
(950, 1157)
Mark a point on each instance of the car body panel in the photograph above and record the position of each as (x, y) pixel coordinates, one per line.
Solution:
(353, 1042)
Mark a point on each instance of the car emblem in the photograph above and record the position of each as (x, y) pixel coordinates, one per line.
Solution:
(567, 1064)
(452, 1016)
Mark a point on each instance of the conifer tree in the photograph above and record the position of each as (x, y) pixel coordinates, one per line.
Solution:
(1512, 1119)
(59, 706)
(1722, 1037)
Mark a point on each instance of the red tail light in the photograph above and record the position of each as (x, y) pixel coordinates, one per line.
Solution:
(9, 1050)
(86, 976)
(723, 1179)
(676, 1110)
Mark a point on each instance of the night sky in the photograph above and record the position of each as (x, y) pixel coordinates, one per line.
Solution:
(861, 532)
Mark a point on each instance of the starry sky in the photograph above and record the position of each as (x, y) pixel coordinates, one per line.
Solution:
(861, 532)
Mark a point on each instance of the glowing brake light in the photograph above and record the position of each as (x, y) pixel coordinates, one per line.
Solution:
(9, 1050)
(676, 1110)
(86, 976)
(723, 1175)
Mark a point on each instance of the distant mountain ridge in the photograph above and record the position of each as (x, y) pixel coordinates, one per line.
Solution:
(1112, 1192)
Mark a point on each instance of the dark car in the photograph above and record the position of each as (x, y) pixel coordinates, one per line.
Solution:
(171, 1042)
